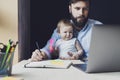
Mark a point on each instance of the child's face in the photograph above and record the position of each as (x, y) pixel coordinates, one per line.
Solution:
(66, 32)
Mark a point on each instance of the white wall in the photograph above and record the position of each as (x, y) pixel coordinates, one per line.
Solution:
(9, 23)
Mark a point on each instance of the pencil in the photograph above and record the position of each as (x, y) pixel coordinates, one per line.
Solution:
(39, 48)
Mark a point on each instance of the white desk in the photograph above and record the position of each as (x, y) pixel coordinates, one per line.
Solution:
(71, 73)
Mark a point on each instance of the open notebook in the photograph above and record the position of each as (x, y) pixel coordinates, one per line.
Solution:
(57, 63)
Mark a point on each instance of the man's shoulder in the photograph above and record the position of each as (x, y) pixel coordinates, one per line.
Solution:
(92, 21)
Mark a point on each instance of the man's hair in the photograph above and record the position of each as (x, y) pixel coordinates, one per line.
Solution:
(74, 1)
(63, 23)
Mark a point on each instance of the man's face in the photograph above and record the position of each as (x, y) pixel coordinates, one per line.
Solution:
(79, 12)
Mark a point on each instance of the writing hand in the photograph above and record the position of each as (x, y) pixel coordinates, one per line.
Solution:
(38, 55)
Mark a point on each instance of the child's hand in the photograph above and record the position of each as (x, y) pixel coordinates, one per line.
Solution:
(73, 56)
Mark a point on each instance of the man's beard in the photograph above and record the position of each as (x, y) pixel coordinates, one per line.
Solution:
(79, 24)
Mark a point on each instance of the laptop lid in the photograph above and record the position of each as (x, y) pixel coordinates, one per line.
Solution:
(104, 54)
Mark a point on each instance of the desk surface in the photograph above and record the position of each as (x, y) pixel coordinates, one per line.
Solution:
(71, 73)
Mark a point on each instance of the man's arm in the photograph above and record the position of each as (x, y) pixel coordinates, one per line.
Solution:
(45, 51)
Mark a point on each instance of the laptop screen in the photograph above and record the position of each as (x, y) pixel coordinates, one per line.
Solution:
(104, 53)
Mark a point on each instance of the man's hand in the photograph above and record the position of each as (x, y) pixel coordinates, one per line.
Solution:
(38, 55)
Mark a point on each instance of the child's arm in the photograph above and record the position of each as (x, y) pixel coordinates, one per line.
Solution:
(79, 51)
(79, 48)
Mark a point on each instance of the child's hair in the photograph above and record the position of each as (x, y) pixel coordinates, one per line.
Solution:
(63, 23)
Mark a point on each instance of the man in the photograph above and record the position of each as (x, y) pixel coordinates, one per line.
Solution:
(79, 10)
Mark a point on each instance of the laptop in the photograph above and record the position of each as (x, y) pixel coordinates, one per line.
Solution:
(104, 53)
